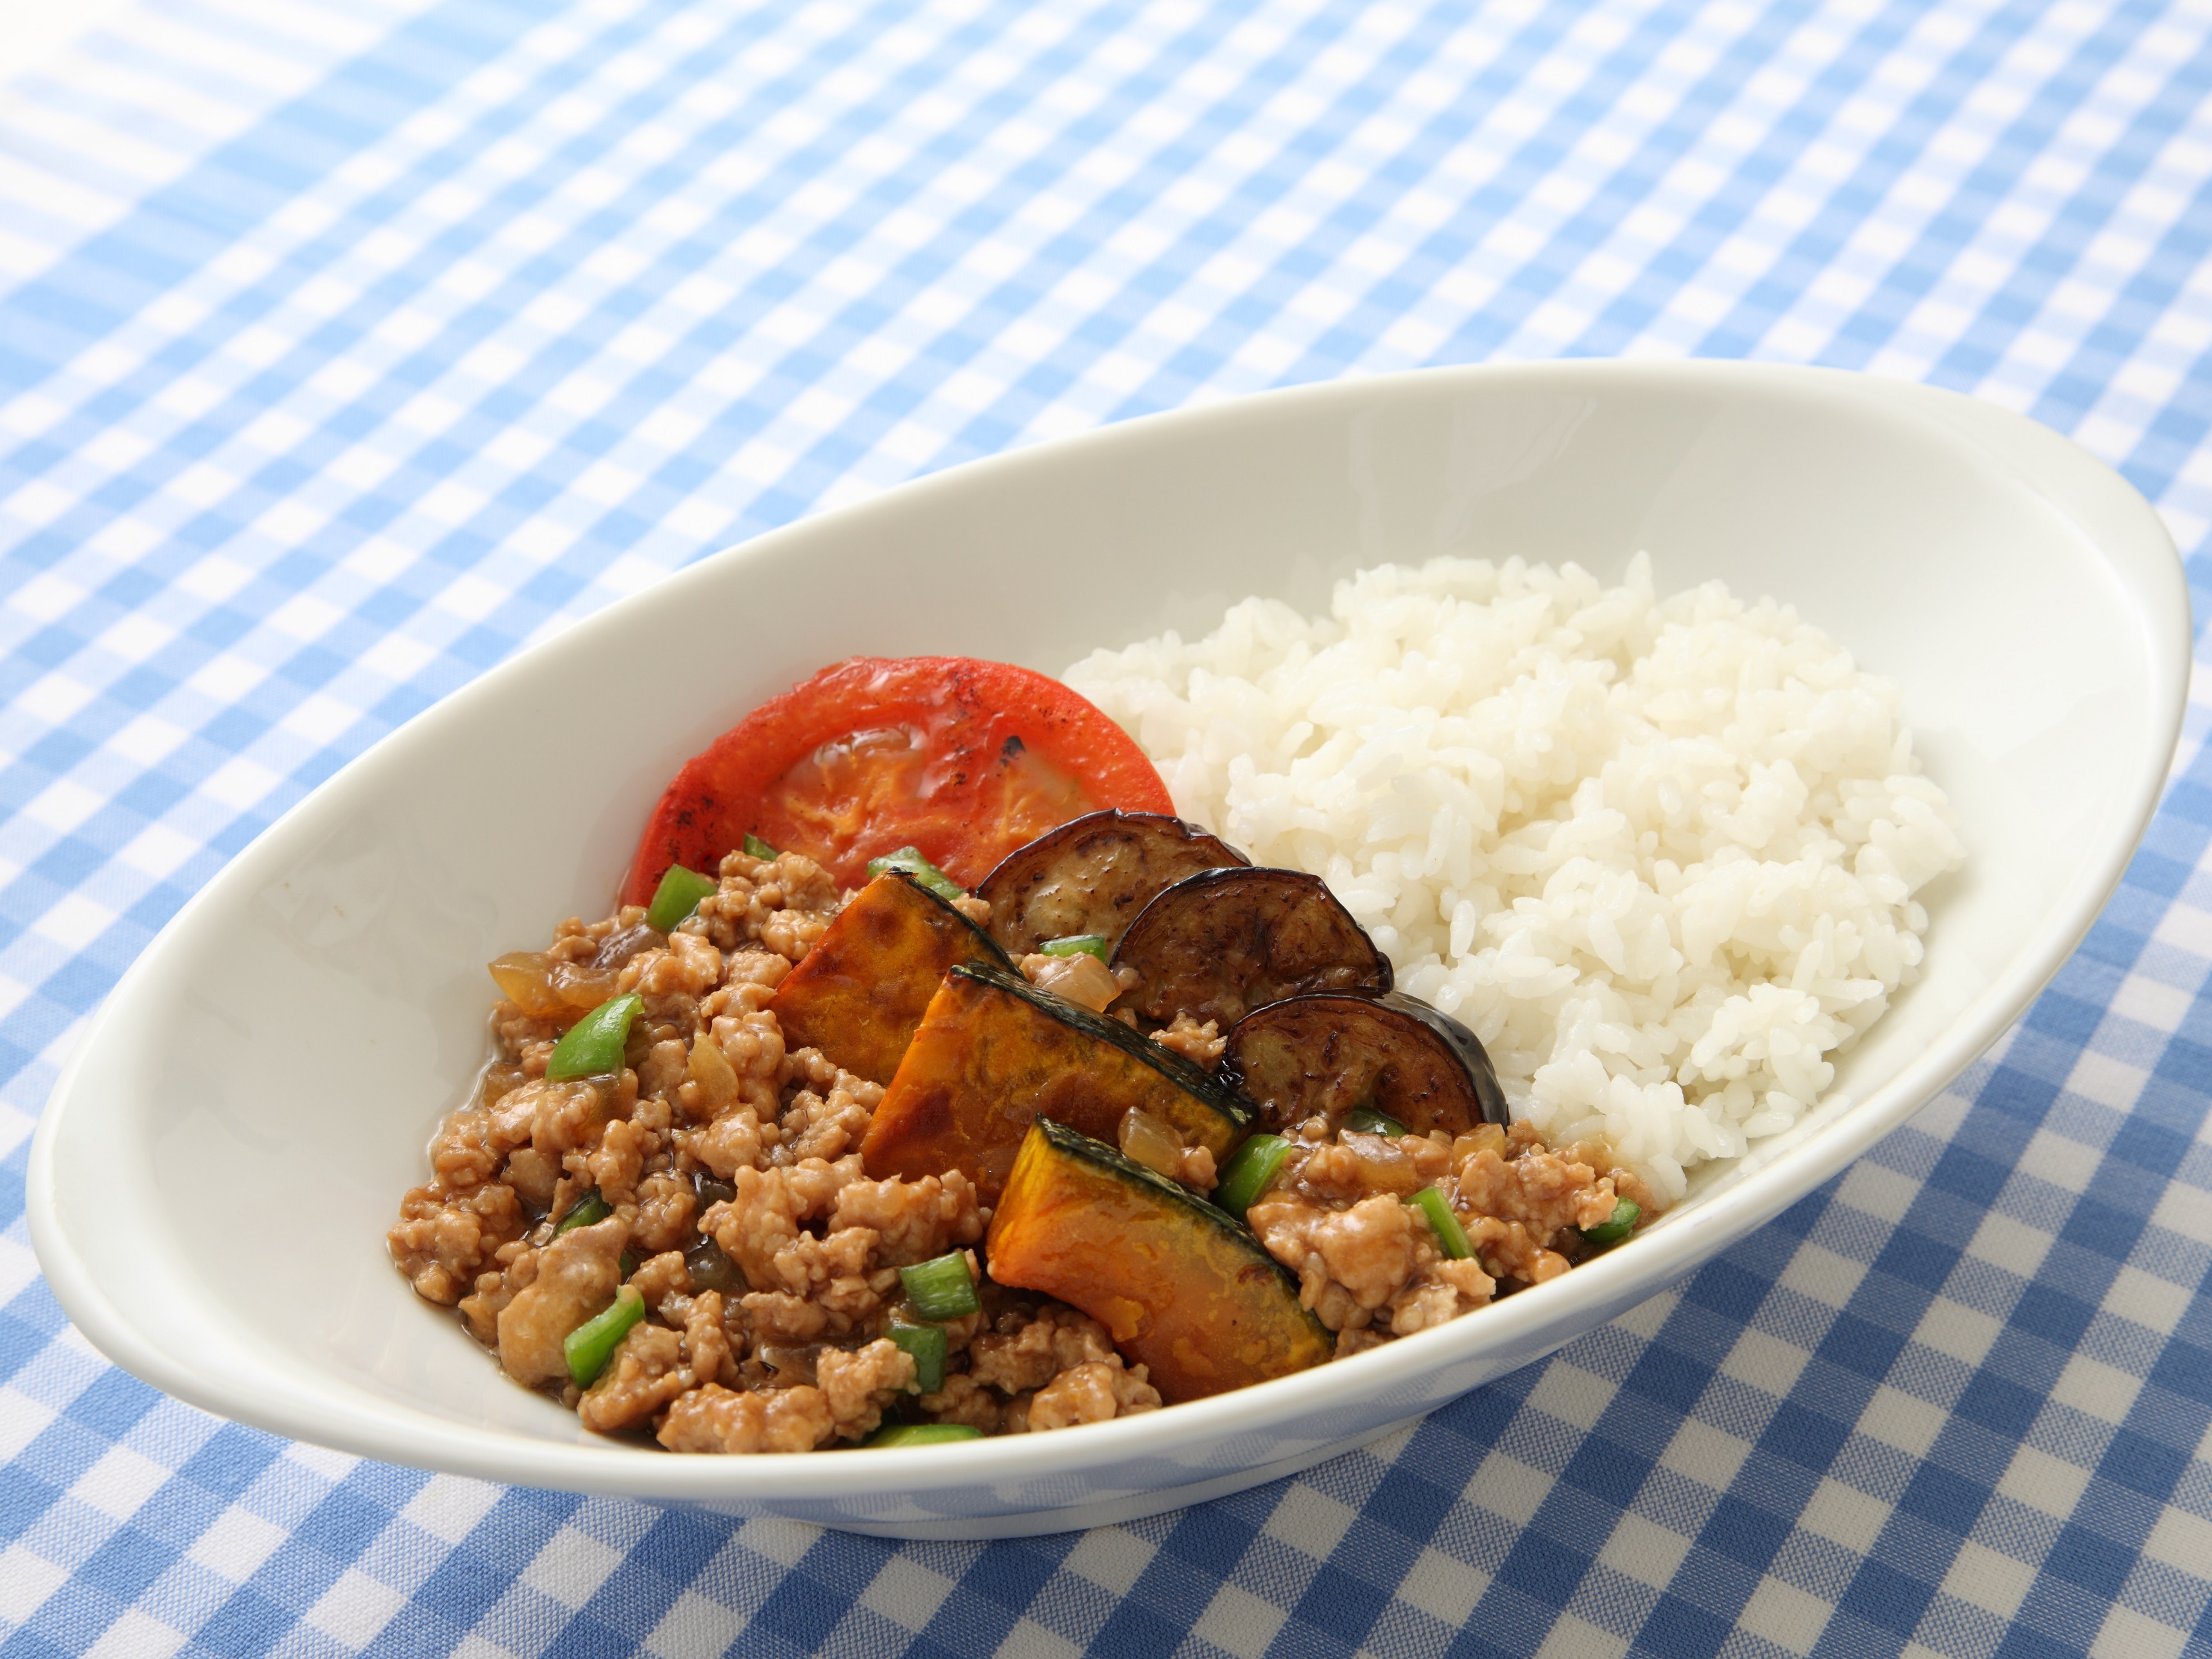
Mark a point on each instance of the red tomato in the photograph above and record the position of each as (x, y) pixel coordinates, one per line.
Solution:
(965, 760)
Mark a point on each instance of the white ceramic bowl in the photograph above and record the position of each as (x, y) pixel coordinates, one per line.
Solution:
(211, 1181)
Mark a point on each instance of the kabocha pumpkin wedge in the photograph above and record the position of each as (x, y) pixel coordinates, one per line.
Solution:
(1181, 1288)
(994, 1052)
(865, 986)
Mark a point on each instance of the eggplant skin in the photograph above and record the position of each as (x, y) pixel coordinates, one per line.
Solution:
(1221, 943)
(1324, 1053)
(1093, 874)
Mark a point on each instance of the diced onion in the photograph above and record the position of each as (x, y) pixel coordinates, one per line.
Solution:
(1148, 1139)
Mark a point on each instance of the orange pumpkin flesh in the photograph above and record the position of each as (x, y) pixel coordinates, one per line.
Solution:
(994, 1052)
(1181, 1288)
(861, 992)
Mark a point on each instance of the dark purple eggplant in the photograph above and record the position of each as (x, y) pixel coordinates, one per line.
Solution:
(1092, 875)
(1326, 1055)
(1221, 943)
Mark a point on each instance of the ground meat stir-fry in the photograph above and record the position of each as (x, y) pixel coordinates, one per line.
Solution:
(1200, 1043)
(702, 1204)
(724, 1174)
(1367, 1262)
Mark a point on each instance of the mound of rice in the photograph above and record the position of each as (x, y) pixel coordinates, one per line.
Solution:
(1660, 857)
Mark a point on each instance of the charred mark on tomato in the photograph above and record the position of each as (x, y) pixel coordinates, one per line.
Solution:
(965, 759)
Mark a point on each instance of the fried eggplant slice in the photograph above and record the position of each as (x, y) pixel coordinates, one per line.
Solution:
(993, 1052)
(1182, 1289)
(1221, 943)
(1092, 875)
(1327, 1054)
(861, 992)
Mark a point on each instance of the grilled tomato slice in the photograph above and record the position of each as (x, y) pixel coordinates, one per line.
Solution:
(964, 759)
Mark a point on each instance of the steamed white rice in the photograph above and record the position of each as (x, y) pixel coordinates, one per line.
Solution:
(1660, 856)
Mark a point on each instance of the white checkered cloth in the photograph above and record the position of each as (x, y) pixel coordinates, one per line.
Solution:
(345, 348)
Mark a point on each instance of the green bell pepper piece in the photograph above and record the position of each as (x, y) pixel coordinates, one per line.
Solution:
(592, 1344)
(1451, 1237)
(677, 896)
(922, 1434)
(593, 1045)
(1250, 1172)
(942, 1288)
(1616, 1226)
(926, 1344)
(584, 1213)
(1366, 1121)
(908, 861)
(1076, 944)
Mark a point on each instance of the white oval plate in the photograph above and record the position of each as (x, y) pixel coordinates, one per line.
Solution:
(211, 1181)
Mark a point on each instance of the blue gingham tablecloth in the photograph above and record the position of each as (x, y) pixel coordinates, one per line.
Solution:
(345, 347)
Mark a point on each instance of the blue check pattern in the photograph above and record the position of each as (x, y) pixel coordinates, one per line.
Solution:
(345, 349)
